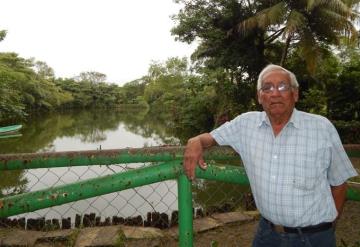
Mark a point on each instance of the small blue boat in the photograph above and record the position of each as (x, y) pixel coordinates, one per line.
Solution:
(10, 129)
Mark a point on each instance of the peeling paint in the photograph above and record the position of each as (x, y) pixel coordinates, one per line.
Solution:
(93, 157)
(54, 196)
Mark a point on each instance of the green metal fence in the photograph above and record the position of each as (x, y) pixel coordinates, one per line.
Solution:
(168, 166)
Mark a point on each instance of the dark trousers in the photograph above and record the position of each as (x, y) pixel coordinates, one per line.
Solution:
(266, 236)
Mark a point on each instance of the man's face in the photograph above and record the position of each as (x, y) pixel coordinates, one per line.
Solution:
(277, 97)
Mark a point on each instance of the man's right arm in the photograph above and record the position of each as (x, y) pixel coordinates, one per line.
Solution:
(193, 154)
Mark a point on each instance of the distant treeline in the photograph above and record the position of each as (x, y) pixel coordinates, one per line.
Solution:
(29, 86)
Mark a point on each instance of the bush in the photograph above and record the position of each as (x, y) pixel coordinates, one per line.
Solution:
(349, 131)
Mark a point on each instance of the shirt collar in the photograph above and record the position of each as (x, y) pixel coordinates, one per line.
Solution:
(294, 119)
(264, 120)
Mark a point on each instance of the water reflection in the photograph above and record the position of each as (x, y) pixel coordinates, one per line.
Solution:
(46, 132)
(105, 129)
(89, 130)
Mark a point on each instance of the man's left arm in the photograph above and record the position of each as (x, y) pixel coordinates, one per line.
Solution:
(339, 195)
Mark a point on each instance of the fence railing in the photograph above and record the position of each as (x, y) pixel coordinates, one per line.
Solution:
(168, 167)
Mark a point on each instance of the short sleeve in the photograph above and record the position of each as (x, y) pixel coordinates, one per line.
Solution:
(228, 133)
(340, 168)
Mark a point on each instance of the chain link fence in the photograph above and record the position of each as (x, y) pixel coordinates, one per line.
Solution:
(153, 205)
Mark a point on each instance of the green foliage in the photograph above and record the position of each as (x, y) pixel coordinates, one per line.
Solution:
(120, 239)
(211, 23)
(10, 102)
(24, 90)
(305, 25)
(344, 95)
(333, 91)
(43, 71)
(92, 77)
(28, 86)
(236, 39)
(87, 94)
(349, 131)
(13, 71)
(2, 34)
(197, 113)
(166, 85)
(314, 101)
(132, 92)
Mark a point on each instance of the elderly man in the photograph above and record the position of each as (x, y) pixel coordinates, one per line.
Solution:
(294, 160)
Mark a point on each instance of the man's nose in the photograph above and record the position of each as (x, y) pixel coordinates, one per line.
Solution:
(275, 92)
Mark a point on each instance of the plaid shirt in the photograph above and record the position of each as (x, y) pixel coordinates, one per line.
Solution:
(290, 174)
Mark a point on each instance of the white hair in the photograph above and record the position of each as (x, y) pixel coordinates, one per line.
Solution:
(271, 67)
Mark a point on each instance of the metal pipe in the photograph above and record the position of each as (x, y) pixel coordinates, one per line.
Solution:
(224, 173)
(237, 175)
(118, 156)
(31, 201)
(185, 212)
(352, 194)
(105, 157)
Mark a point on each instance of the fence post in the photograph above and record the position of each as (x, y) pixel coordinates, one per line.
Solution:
(185, 212)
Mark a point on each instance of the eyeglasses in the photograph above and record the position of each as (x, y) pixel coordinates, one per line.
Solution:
(282, 87)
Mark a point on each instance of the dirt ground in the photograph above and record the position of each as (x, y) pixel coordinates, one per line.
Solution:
(347, 233)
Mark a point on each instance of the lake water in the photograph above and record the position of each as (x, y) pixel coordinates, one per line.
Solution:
(92, 130)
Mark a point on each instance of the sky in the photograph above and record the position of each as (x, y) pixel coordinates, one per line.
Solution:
(119, 38)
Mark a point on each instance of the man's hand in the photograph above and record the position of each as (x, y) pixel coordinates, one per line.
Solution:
(193, 154)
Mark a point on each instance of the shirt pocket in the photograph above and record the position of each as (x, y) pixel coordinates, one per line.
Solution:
(305, 183)
(307, 172)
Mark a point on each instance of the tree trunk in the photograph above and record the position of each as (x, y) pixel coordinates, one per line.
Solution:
(285, 51)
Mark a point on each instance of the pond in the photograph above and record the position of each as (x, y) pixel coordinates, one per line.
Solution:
(93, 130)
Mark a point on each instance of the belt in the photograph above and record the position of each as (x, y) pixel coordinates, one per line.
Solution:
(307, 229)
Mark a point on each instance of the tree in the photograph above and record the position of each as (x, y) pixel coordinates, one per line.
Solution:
(165, 84)
(14, 74)
(344, 95)
(2, 35)
(43, 70)
(131, 91)
(306, 24)
(24, 90)
(91, 76)
(209, 23)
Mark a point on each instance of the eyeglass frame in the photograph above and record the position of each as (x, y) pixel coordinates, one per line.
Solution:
(283, 87)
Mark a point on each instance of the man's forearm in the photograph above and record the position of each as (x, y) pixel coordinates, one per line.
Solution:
(206, 140)
(339, 195)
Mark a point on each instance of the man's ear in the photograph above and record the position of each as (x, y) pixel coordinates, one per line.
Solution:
(258, 97)
(296, 95)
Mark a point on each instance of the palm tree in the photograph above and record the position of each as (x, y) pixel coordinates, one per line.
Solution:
(305, 24)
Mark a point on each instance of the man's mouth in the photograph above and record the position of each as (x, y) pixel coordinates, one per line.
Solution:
(276, 103)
